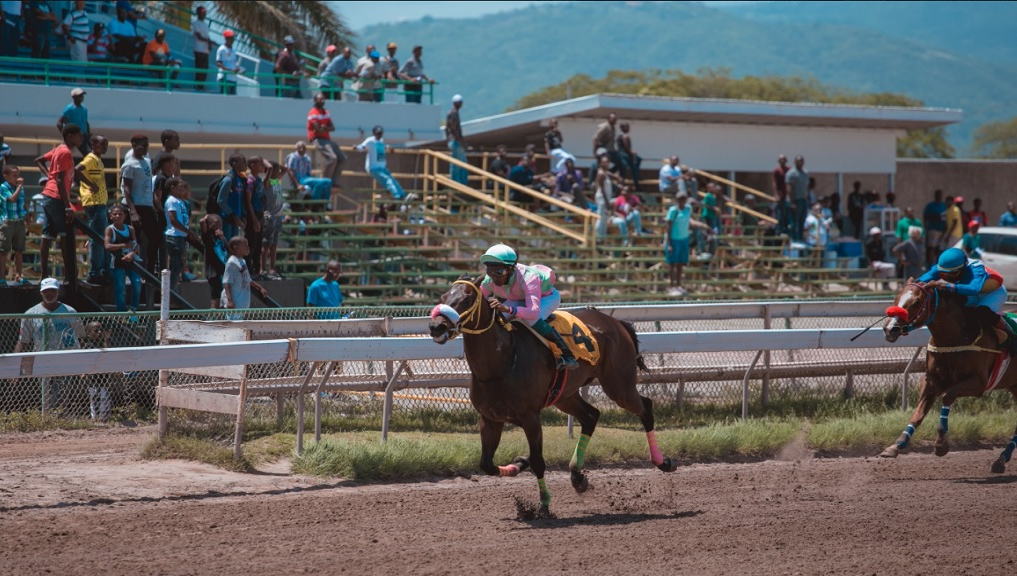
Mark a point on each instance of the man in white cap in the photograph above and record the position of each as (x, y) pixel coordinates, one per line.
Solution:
(456, 144)
(876, 254)
(76, 113)
(40, 332)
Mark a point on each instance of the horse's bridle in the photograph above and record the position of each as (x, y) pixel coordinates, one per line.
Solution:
(928, 309)
(471, 314)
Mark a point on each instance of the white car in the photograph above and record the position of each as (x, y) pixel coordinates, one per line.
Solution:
(999, 252)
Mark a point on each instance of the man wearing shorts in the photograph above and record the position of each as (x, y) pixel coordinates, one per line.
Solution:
(56, 202)
(676, 241)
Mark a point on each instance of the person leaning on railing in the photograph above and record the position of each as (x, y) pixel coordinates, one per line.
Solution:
(413, 71)
(341, 67)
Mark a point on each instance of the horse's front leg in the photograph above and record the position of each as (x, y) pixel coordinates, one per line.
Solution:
(587, 416)
(926, 396)
(942, 445)
(490, 437)
(535, 438)
(970, 386)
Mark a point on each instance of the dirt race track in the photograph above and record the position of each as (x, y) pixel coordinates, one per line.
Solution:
(82, 503)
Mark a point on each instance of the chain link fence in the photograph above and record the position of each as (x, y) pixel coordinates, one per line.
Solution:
(431, 394)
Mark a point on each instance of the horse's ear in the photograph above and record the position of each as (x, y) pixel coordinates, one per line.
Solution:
(478, 280)
(911, 280)
(463, 276)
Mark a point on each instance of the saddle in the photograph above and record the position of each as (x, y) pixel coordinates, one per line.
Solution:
(574, 332)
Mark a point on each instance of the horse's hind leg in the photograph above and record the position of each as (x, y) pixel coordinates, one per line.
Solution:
(587, 416)
(622, 391)
(999, 466)
(659, 460)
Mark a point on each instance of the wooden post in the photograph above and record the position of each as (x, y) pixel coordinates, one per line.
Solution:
(317, 400)
(164, 374)
(300, 406)
(238, 435)
(679, 398)
(767, 324)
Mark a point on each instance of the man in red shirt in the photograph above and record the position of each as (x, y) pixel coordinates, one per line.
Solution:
(319, 128)
(58, 164)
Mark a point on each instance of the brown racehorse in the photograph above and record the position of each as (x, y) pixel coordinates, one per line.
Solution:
(511, 373)
(959, 357)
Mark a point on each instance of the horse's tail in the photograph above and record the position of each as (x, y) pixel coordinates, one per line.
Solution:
(635, 340)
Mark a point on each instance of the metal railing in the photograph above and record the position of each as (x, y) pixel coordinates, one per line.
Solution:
(170, 79)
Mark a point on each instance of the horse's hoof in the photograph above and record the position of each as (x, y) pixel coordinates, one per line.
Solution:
(999, 466)
(522, 462)
(668, 465)
(579, 482)
(890, 452)
(544, 512)
(942, 450)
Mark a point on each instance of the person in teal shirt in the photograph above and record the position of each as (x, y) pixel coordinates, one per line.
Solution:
(76, 113)
(325, 293)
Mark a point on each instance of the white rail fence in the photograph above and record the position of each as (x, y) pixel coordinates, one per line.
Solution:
(226, 349)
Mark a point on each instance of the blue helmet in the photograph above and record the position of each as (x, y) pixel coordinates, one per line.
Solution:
(499, 254)
(952, 260)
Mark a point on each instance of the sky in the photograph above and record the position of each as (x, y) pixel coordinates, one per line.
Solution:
(358, 15)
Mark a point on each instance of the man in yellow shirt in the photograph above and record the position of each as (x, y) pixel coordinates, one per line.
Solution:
(92, 189)
(954, 221)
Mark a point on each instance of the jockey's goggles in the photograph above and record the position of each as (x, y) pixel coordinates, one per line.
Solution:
(497, 269)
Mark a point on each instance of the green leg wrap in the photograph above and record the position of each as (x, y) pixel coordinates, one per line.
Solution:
(579, 456)
(545, 495)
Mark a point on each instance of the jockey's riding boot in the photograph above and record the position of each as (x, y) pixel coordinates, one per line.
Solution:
(567, 361)
(1011, 339)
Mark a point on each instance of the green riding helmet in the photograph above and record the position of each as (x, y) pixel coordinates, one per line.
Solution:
(499, 254)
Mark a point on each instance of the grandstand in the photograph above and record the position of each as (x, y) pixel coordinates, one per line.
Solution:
(423, 244)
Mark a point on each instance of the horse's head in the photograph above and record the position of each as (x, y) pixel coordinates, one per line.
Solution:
(462, 303)
(913, 307)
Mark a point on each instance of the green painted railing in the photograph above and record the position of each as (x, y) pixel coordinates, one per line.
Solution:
(116, 75)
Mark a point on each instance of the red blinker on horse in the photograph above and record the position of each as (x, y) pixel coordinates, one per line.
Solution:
(511, 372)
(964, 357)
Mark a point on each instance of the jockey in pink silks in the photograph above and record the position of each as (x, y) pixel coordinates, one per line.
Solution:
(525, 293)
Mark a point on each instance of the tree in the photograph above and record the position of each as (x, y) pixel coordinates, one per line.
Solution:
(718, 83)
(263, 24)
(996, 140)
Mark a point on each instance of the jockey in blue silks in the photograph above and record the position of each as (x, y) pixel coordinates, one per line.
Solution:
(982, 285)
(526, 293)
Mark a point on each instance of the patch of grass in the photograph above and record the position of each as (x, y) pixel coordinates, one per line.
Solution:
(36, 422)
(416, 454)
(193, 447)
(873, 432)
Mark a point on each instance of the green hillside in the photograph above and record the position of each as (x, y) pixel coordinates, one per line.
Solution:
(495, 60)
(979, 30)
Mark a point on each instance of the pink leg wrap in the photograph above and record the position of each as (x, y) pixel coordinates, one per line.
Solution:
(510, 470)
(655, 456)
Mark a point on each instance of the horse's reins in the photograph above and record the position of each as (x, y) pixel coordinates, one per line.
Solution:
(471, 314)
(930, 311)
(902, 315)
